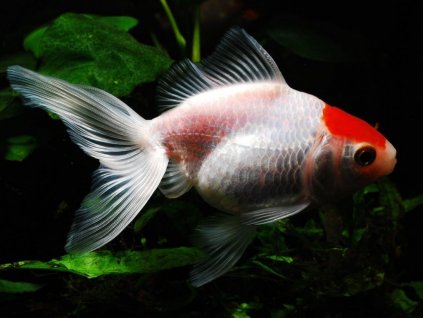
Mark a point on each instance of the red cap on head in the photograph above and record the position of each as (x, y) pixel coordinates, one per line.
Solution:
(340, 123)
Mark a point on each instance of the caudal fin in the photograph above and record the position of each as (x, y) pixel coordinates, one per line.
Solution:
(131, 164)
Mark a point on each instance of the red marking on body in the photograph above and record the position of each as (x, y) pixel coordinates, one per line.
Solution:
(194, 138)
(340, 123)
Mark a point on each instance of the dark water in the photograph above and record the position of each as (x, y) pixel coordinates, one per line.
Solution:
(38, 195)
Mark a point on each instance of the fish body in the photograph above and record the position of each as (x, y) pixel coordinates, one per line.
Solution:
(248, 156)
(253, 147)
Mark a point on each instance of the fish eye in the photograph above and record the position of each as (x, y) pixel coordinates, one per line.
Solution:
(365, 156)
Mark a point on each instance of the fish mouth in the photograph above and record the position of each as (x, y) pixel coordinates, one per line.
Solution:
(390, 159)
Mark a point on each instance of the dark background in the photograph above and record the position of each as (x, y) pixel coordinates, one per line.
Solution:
(387, 90)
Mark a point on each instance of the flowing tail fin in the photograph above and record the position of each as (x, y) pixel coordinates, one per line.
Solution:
(132, 163)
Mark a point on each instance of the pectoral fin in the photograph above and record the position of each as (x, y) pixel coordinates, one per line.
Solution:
(269, 215)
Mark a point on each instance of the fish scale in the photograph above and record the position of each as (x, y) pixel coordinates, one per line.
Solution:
(253, 148)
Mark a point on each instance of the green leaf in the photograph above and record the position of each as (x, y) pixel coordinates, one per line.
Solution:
(271, 237)
(7, 286)
(100, 263)
(86, 50)
(390, 199)
(242, 310)
(402, 301)
(356, 235)
(411, 204)
(281, 258)
(317, 40)
(20, 147)
(145, 218)
(359, 282)
(370, 188)
(123, 23)
(268, 269)
(32, 41)
(9, 105)
(310, 228)
(418, 288)
(53, 116)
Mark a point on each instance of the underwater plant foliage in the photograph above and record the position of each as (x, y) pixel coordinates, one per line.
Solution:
(341, 260)
(96, 51)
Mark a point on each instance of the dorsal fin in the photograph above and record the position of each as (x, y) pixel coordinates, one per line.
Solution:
(238, 58)
(182, 81)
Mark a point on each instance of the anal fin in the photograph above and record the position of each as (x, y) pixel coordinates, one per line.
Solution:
(224, 238)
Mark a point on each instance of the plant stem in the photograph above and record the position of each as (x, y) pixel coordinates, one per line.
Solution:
(179, 37)
(196, 43)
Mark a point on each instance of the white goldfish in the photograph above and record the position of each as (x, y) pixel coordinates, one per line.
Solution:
(253, 148)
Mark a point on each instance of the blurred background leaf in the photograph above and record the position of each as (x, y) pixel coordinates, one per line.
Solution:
(318, 40)
(20, 147)
(11, 287)
(99, 263)
(96, 51)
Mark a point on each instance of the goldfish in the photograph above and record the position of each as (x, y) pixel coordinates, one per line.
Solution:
(254, 148)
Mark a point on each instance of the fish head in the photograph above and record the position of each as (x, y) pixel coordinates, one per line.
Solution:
(350, 155)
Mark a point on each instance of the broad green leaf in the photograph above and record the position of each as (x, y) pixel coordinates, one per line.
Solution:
(11, 287)
(86, 50)
(402, 301)
(317, 40)
(100, 263)
(123, 23)
(32, 41)
(20, 147)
